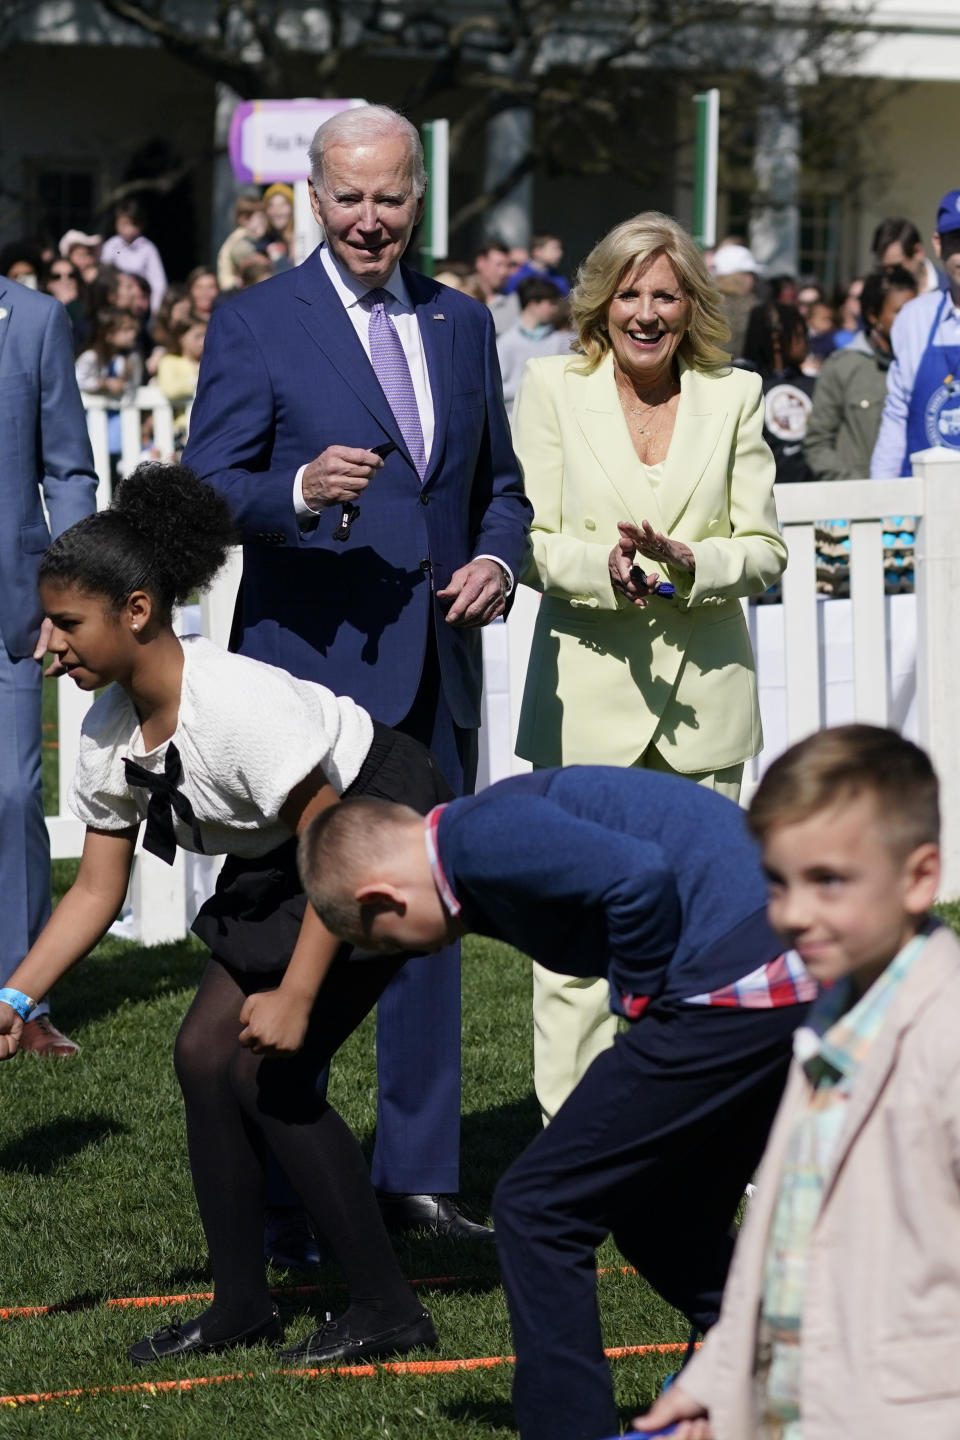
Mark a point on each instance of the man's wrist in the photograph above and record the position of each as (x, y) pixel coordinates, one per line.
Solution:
(304, 511)
(505, 571)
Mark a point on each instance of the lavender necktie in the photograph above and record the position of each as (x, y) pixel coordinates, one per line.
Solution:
(391, 369)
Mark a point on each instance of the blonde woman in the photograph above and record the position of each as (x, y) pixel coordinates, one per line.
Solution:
(645, 462)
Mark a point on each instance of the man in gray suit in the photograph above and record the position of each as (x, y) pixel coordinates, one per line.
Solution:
(43, 447)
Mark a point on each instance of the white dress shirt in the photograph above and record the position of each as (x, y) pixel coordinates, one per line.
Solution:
(350, 292)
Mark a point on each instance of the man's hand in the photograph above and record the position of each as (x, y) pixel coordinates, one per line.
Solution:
(11, 1028)
(477, 593)
(338, 475)
(676, 1407)
(275, 1023)
(40, 649)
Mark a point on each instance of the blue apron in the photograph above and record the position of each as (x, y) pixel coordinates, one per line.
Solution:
(933, 416)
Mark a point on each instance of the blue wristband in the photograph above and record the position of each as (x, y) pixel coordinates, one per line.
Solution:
(18, 1001)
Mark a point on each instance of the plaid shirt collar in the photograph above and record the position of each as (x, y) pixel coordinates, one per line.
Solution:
(840, 1029)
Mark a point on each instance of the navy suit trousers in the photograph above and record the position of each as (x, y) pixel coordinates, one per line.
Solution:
(24, 843)
(654, 1146)
(418, 1015)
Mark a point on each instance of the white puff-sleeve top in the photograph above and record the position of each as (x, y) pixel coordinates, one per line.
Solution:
(247, 733)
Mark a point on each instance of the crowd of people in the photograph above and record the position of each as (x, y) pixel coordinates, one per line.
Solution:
(350, 431)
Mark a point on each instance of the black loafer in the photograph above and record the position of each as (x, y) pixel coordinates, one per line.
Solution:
(334, 1341)
(184, 1338)
(435, 1213)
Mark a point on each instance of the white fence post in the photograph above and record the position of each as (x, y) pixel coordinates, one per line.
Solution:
(158, 897)
(218, 603)
(938, 624)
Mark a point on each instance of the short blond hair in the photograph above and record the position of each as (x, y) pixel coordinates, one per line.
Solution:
(340, 848)
(635, 243)
(838, 765)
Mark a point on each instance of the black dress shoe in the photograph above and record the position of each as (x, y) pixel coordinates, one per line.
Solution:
(288, 1238)
(335, 1341)
(184, 1338)
(436, 1213)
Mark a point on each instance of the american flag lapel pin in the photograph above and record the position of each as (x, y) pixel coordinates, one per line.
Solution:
(440, 316)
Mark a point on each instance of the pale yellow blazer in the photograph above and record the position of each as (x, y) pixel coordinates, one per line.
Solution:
(606, 678)
(881, 1322)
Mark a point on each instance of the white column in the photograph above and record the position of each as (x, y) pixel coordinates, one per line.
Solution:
(938, 624)
(225, 186)
(509, 137)
(775, 213)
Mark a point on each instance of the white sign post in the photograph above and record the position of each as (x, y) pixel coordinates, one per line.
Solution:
(269, 140)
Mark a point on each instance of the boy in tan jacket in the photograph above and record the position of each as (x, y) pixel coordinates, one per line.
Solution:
(841, 1315)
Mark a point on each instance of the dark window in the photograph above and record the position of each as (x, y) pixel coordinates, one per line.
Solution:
(58, 199)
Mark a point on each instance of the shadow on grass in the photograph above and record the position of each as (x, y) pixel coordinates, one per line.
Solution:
(41, 1150)
(119, 973)
(490, 1141)
(494, 1414)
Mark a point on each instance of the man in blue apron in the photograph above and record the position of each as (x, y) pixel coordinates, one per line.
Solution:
(922, 408)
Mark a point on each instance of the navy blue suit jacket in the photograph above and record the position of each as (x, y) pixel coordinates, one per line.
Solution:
(595, 870)
(283, 376)
(43, 446)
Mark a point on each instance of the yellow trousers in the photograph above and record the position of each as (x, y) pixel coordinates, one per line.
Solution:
(572, 1023)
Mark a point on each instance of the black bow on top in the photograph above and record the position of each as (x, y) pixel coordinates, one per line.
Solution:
(165, 802)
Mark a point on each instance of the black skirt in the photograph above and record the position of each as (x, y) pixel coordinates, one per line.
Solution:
(252, 920)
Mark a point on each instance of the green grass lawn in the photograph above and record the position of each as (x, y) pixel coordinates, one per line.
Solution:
(97, 1203)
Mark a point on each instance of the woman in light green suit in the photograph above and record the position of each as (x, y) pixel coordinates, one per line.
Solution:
(644, 451)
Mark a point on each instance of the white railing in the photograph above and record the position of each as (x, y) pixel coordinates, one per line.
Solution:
(149, 401)
(819, 660)
(824, 661)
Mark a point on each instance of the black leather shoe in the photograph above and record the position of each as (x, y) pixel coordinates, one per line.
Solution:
(334, 1341)
(181, 1338)
(436, 1213)
(288, 1238)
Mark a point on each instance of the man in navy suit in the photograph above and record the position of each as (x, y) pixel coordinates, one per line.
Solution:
(43, 446)
(303, 380)
(654, 882)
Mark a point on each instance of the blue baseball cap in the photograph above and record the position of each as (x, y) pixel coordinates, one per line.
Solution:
(948, 215)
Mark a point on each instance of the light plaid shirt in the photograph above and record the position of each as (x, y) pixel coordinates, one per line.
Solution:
(831, 1047)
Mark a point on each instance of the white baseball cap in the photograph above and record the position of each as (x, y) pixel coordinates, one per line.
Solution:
(735, 260)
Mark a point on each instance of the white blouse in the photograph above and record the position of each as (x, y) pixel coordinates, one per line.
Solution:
(247, 733)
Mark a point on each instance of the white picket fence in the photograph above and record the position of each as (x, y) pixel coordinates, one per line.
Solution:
(818, 660)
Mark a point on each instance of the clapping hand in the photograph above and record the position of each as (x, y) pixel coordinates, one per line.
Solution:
(654, 546)
(628, 578)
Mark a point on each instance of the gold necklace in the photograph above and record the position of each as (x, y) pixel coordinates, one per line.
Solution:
(657, 407)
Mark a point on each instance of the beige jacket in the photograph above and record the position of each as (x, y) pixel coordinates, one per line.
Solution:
(881, 1324)
(606, 677)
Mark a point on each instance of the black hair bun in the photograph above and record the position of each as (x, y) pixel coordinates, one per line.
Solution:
(183, 528)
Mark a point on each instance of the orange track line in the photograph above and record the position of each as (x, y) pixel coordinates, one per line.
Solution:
(356, 1372)
(142, 1302)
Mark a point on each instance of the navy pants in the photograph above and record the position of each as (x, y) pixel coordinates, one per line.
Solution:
(417, 1149)
(654, 1146)
(24, 843)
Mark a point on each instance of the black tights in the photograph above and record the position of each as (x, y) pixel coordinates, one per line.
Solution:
(239, 1104)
